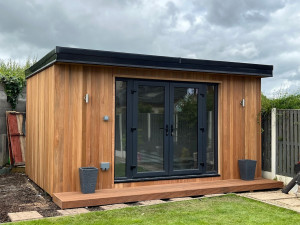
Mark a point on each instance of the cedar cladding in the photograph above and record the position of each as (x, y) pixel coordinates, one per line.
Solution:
(65, 133)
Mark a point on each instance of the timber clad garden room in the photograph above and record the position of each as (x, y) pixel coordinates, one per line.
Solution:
(155, 127)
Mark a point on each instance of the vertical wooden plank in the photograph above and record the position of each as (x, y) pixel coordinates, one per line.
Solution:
(251, 124)
(51, 127)
(226, 129)
(28, 153)
(58, 141)
(73, 128)
(288, 148)
(238, 121)
(284, 153)
(291, 143)
(257, 127)
(269, 141)
(298, 131)
(36, 128)
(278, 141)
(95, 137)
(231, 119)
(266, 142)
(295, 147)
(78, 128)
(103, 135)
(112, 131)
(46, 118)
(106, 135)
(247, 118)
(86, 113)
(110, 128)
(220, 130)
(66, 132)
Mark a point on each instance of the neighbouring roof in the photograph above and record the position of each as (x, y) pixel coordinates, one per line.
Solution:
(97, 57)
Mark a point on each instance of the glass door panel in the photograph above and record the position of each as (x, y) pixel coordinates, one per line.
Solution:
(184, 129)
(164, 129)
(120, 128)
(151, 128)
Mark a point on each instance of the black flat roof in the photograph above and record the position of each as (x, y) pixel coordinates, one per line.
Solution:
(97, 57)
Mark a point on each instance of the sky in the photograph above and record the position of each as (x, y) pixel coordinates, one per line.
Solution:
(250, 31)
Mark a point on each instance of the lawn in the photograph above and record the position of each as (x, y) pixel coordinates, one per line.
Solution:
(228, 209)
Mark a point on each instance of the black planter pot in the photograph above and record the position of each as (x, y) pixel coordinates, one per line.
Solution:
(247, 169)
(88, 179)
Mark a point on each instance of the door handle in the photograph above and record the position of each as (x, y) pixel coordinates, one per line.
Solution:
(167, 129)
(172, 130)
(133, 166)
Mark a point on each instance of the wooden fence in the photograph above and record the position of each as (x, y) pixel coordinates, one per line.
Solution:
(266, 142)
(287, 141)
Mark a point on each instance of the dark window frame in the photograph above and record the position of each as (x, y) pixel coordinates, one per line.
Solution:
(131, 174)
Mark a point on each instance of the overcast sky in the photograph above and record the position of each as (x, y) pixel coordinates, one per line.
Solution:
(253, 31)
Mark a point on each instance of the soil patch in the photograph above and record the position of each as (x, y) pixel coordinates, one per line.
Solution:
(18, 193)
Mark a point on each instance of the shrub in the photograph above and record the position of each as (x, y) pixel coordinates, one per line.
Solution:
(283, 101)
(12, 77)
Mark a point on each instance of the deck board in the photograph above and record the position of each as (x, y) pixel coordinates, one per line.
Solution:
(112, 196)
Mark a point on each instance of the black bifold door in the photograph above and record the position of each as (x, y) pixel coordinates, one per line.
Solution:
(161, 129)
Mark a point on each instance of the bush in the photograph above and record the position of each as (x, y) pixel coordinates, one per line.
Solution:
(283, 101)
(12, 77)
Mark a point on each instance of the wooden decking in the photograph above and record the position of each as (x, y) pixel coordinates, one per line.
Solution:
(112, 196)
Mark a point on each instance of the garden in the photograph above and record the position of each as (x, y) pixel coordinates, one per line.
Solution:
(227, 209)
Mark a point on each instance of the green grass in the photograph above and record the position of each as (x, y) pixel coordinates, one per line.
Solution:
(229, 209)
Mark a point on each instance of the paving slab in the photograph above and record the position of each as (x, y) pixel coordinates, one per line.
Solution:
(291, 201)
(29, 215)
(68, 212)
(180, 199)
(151, 202)
(213, 195)
(276, 198)
(114, 206)
(269, 195)
(297, 209)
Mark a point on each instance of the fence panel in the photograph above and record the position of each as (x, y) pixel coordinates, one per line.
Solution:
(266, 142)
(288, 141)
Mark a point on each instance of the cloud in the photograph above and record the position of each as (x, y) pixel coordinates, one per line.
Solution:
(265, 32)
(237, 13)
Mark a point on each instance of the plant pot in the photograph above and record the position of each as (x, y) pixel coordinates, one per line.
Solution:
(247, 169)
(88, 179)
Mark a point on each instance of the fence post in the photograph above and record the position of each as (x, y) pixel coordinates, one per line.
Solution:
(273, 143)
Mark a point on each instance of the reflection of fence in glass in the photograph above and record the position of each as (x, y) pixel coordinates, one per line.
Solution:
(120, 136)
(150, 143)
(151, 135)
(210, 135)
(150, 125)
(210, 149)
